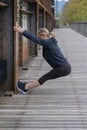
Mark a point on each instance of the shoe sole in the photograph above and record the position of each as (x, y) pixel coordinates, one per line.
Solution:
(20, 89)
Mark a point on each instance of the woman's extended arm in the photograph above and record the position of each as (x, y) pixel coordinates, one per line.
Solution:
(30, 36)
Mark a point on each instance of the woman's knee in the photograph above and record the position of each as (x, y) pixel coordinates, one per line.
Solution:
(68, 69)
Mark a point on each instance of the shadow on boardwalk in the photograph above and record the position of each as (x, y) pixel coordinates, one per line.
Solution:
(59, 104)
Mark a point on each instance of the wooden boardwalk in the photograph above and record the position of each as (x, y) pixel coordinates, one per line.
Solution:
(59, 104)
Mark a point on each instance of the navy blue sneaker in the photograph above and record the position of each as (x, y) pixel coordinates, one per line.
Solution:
(21, 87)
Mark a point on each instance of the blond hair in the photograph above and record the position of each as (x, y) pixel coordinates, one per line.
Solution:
(43, 31)
(51, 34)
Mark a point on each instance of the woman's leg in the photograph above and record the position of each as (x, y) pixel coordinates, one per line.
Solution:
(53, 74)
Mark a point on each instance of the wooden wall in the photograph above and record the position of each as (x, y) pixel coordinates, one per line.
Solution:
(6, 16)
(32, 15)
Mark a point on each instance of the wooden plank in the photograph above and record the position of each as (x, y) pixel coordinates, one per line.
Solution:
(2, 4)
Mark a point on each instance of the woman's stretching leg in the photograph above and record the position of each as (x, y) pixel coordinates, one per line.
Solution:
(53, 74)
(56, 73)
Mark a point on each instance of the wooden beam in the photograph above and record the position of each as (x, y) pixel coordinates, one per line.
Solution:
(2, 4)
(15, 47)
(30, 1)
(39, 3)
(26, 11)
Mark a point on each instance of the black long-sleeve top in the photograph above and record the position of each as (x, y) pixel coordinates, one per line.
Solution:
(51, 51)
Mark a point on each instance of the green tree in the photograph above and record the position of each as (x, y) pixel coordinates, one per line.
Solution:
(74, 10)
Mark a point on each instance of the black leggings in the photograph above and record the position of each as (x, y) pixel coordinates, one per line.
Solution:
(56, 73)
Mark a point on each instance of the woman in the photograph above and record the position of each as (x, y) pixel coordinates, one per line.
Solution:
(51, 53)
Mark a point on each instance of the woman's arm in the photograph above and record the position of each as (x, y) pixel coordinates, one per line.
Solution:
(30, 36)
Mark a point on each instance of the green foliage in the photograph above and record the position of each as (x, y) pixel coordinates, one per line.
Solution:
(74, 10)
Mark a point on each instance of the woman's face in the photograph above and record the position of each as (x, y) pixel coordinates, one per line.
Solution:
(43, 36)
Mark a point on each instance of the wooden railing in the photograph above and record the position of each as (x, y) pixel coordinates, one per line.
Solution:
(80, 27)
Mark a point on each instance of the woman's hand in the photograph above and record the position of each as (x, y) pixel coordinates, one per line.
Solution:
(18, 29)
